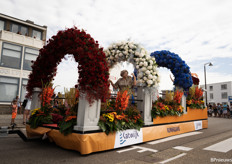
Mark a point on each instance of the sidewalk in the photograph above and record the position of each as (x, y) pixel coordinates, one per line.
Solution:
(5, 120)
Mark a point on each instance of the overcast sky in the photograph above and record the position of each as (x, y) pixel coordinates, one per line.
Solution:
(199, 31)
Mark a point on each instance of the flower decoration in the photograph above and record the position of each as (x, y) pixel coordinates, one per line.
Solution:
(47, 93)
(195, 98)
(122, 100)
(128, 51)
(177, 96)
(178, 67)
(92, 68)
(163, 108)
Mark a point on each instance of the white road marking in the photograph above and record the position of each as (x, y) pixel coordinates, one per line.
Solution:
(143, 149)
(173, 137)
(223, 146)
(182, 148)
(121, 151)
(173, 158)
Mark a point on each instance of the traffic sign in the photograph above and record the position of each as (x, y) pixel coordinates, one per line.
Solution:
(230, 98)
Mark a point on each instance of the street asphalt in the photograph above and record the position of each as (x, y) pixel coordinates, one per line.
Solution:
(191, 149)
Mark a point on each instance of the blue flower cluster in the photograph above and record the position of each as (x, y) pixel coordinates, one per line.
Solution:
(178, 67)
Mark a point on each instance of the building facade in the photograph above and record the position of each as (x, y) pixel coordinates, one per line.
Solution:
(20, 42)
(219, 92)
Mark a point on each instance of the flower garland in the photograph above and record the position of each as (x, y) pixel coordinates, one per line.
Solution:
(178, 67)
(92, 68)
(137, 55)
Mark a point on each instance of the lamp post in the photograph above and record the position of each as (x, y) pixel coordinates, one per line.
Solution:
(209, 64)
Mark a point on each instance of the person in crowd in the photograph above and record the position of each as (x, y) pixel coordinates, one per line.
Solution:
(18, 104)
(219, 109)
(27, 110)
(210, 110)
(215, 110)
(24, 104)
(14, 108)
(230, 111)
(125, 82)
(224, 110)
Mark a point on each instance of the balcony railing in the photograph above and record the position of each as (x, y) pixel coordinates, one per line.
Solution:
(20, 39)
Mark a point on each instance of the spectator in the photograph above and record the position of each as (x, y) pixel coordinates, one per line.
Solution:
(228, 111)
(24, 104)
(224, 110)
(210, 110)
(219, 109)
(14, 111)
(215, 110)
(18, 104)
(27, 111)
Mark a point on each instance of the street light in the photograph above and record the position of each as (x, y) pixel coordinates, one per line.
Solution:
(209, 64)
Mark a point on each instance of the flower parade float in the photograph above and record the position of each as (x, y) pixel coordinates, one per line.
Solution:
(86, 118)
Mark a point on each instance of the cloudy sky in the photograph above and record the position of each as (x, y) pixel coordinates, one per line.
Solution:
(199, 31)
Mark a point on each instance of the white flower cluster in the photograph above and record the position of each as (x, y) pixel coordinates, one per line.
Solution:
(137, 55)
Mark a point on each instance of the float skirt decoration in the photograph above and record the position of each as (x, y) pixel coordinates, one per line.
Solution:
(99, 141)
(192, 114)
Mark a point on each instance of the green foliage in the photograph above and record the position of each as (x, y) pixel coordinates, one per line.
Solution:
(67, 127)
(196, 106)
(38, 120)
(111, 127)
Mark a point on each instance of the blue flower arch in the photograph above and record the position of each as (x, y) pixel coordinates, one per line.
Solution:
(178, 67)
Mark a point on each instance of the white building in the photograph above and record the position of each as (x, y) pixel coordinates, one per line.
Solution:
(219, 92)
(20, 42)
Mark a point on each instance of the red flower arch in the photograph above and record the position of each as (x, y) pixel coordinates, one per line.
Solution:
(92, 67)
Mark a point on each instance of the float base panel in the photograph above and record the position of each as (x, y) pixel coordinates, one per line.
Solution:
(192, 114)
(99, 141)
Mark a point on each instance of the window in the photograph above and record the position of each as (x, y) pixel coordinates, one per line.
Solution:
(19, 29)
(15, 28)
(223, 86)
(23, 89)
(37, 34)
(211, 88)
(8, 88)
(211, 95)
(2, 24)
(23, 30)
(224, 95)
(30, 54)
(11, 56)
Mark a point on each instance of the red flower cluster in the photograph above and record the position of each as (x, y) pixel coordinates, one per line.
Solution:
(122, 100)
(47, 93)
(177, 96)
(92, 68)
(198, 93)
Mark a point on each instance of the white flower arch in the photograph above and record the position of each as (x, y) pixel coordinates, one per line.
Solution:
(137, 55)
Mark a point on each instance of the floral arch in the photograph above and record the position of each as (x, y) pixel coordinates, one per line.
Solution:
(134, 53)
(178, 67)
(92, 67)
